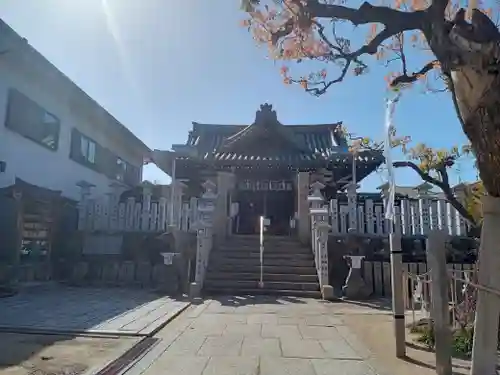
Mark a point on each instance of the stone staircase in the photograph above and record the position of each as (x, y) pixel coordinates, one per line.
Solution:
(289, 269)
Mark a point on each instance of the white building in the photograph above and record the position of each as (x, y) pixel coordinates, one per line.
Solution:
(52, 134)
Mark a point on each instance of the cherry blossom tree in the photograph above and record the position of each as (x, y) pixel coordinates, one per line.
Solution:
(462, 46)
(463, 49)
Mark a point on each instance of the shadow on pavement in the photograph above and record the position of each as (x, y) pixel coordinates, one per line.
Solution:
(247, 299)
(72, 318)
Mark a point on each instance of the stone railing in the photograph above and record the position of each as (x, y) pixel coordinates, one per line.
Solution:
(107, 213)
(206, 209)
(411, 216)
(319, 238)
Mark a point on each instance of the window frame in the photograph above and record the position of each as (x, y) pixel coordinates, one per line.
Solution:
(90, 149)
(14, 127)
(105, 162)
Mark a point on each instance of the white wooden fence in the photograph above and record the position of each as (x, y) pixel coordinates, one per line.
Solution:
(412, 217)
(106, 214)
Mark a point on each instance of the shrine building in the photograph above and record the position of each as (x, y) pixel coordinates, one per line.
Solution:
(265, 169)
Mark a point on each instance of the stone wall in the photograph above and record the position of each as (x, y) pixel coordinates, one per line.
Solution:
(462, 250)
(139, 263)
(25, 273)
(160, 277)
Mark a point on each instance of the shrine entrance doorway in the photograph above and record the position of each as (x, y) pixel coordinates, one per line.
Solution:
(276, 205)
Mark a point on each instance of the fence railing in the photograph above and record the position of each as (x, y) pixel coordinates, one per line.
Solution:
(105, 214)
(377, 276)
(412, 217)
(461, 295)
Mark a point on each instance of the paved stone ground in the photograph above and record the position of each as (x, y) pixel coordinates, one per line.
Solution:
(59, 355)
(256, 336)
(61, 309)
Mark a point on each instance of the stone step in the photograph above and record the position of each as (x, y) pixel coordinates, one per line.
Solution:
(256, 291)
(221, 260)
(254, 284)
(264, 291)
(256, 240)
(256, 254)
(296, 270)
(267, 247)
(255, 276)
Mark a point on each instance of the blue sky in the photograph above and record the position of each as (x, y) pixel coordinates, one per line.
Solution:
(158, 65)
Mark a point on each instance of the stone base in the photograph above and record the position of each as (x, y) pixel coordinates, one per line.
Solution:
(194, 290)
(355, 287)
(327, 293)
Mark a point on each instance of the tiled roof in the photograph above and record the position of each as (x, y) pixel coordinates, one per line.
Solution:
(320, 141)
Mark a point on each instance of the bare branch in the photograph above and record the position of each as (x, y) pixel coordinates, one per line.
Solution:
(394, 20)
(406, 79)
(443, 184)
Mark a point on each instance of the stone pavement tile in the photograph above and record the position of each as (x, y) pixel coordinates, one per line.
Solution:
(319, 333)
(218, 318)
(188, 343)
(335, 366)
(277, 331)
(339, 349)
(286, 366)
(353, 341)
(168, 336)
(221, 346)
(215, 308)
(290, 320)
(232, 366)
(293, 348)
(177, 365)
(322, 321)
(261, 347)
(246, 310)
(207, 329)
(195, 310)
(247, 330)
(262, 318)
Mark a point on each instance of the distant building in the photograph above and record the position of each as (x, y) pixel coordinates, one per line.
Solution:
(52, 134)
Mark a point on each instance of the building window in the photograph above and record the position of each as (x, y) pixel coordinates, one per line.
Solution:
(121, 169)
(30, 120)
(87, 149)
(91, 154)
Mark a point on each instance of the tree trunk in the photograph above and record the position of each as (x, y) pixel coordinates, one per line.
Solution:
(478, 99)
(475, 86)
(484, 351)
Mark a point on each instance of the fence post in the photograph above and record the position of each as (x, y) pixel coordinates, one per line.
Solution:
(484, 351)
(398, 304)
(436, 261)
(319, 238)
(206, 209)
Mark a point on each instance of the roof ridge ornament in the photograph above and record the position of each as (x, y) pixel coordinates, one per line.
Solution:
(266, 115)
